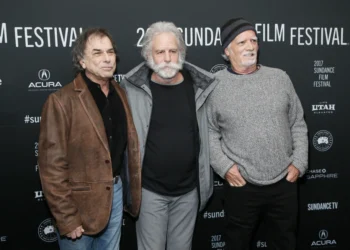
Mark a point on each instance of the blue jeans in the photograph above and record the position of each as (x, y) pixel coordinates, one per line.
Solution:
(109, 238)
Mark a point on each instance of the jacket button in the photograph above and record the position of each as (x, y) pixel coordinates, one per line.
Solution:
(108, 188)
(107, 161)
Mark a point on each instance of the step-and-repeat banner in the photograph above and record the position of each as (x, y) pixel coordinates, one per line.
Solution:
(310, 41)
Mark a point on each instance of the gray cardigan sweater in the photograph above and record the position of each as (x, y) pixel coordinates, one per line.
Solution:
(256, 121)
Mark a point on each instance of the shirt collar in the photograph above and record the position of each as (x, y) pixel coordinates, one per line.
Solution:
(93, 86)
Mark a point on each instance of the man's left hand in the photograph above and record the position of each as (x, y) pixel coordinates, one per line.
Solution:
(293, 173)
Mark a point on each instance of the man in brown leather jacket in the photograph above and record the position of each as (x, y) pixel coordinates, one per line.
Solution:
(87, 142)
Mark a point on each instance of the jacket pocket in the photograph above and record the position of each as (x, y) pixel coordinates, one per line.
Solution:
(79, 186)
(86, 188)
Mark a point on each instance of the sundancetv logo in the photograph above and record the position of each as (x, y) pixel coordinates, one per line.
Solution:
(118, 77)
(333, 205)
(44, 83)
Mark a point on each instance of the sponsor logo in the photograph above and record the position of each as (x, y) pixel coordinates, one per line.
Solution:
(333, 205)
(261, 244)
(3, 238)
(45, 84)
(217, 68)
(323, 240)
(323, 108)
(323, 234)
(118, 77)
(39, 195)
(32, 119)
(313, 174)
(44, 74)
(47, 231)
(323, 140)
(214, 215)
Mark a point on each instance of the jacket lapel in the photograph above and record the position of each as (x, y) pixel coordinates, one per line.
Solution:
(90, 107)
(134, 157)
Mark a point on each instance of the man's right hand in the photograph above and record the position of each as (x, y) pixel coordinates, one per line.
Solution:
(76, 233)
(234, 177)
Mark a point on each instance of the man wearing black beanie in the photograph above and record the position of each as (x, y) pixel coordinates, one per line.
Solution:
(258, 142)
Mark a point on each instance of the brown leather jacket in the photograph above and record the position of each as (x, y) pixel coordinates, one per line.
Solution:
(74, 160)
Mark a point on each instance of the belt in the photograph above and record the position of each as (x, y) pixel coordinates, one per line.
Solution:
(116, 179)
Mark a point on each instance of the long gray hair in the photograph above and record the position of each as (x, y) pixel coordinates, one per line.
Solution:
(158, 28)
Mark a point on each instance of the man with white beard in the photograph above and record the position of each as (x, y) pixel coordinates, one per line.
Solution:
(167, 98)
(258, 142)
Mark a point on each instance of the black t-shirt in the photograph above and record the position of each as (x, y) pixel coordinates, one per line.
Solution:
(114, 119)
(170, 161)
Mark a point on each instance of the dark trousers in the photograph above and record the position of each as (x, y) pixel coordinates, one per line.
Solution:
(246, 206)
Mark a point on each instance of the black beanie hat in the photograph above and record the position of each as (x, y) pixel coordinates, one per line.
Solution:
(233, 28)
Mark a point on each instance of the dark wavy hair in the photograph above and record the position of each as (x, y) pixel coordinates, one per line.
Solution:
(80, 45)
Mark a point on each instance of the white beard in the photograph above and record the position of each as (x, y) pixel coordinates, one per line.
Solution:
(248, 63)
(251, 61)
(165, 70)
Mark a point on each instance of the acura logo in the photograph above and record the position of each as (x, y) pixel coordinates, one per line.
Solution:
(323, 234)
(44, 74)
